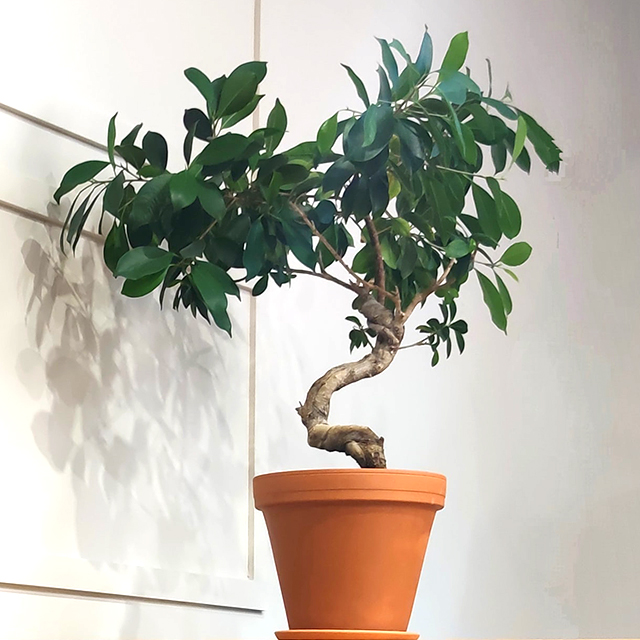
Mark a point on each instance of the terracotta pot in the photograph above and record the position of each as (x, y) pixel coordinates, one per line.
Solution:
(349, 546)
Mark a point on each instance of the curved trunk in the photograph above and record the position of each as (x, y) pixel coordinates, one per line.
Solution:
(359, 442)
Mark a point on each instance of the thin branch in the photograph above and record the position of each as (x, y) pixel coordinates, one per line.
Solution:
(325, 276)
(420, 343)
(423, 295)
(375, 241)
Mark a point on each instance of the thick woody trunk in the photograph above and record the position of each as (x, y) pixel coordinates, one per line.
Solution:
(359, 442)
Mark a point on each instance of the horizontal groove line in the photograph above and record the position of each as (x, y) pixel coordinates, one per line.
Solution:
(89, 235)
(116, 597)
(50, 126)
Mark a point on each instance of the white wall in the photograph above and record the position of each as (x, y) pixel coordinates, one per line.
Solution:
(536, 432)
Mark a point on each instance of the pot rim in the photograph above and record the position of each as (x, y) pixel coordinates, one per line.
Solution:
(349, 485)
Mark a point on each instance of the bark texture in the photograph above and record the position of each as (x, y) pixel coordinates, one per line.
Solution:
(359, 442)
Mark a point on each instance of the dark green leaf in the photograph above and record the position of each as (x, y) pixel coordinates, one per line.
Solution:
(229, 121)
(379, 192)
(199, 122)
(115, 246)
(493, 300)
(425, 55)
(299, 240)
(201, 82)
(362, 92)
(384, 95)
(133, 155)
(113, 195)
(337, 175)
(150, 201)
(260, 286)
(499, 156)
(184, 189)
(487, 212)
(211, 200)
(399, 47)
(277, 120)
(130, 138)
(214, 273)
(111, 140)
(389, 61)
(204, 276)
(143, 261)
(222, 149)
(240, 87)
(143, 286)
(78, 175)
(516, 254)
(543, 143)
(155, 146)
(255, 250)
(503, 109)
(327, 134)
(187, 147)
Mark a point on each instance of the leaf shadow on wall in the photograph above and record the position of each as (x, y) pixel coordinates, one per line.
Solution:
(138, 413)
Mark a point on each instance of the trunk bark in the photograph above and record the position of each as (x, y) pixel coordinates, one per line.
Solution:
(359, 442)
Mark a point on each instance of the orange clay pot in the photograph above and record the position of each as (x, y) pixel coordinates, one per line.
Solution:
(349, 546)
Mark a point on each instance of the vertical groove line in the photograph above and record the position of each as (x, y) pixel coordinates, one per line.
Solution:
(251, 560)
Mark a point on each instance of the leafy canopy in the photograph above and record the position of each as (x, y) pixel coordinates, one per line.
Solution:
(404, 176)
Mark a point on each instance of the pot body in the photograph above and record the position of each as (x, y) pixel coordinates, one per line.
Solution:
(349, 544)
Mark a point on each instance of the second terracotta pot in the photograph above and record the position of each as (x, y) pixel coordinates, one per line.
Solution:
(349, 544)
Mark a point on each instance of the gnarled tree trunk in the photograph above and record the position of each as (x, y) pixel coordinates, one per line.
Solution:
(359, 442)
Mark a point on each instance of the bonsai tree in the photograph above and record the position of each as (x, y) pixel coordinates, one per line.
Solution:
(397, 203)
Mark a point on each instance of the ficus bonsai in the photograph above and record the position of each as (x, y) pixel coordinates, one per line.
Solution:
(380, 204)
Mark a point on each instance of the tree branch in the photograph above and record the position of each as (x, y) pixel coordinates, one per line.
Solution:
(325, 276)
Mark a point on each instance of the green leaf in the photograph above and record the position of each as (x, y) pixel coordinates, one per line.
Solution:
(327, 134)
(143, 286)
(150, 201)
(487, 213)
(222, 149)
(456, 55)
(130, 138)
(454, 88)
(187, 146)
(543, 143)
(155, 146)
(503, 109)
(457, 248)
(115, 246)
(229, 121)
(408, 258)
(337, 175)
(212, 201)
(389, 61)
(384, 95)
(111, 140)
(362, 92)
(504, 294)
(206, 279)
(499, 156)
(298, 238)
(516, 254)
(213, 273)
(201, 82)
(77, 175)
(113, 195)
(133, 155)
(184, 188)
(277, 120)
(260, 286)
(143, 261)
(513, 275)
(239, 88)
(521, 136)
(399, 47)
(493, 300)
(199, 122)
(425, 55)
(254, 256)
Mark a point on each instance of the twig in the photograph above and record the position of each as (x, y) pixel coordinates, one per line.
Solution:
(420, 343)
(423, 295)
(325, 276)
(375, 241)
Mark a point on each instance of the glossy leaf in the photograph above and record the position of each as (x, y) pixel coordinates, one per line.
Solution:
(255, 250)
(199, 122)
(130, 138)
(260, 286)
(143, 261)
(238, 90)
(425, 55)
(111, 140)
(115, 246)
(327, 134)
(150, 200)
(359, 85)
(230, 121)
(298, 237)
(457, 248)
(143, 286)
(493, 300)
(201, 82)
(184, 188)
(504, 294)
(222, 149)
(516, 254)
(155, 147)
(487, 213)
(212, 201)
(389, 61)
(78, 175)
(205, 280)
(277, 120)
